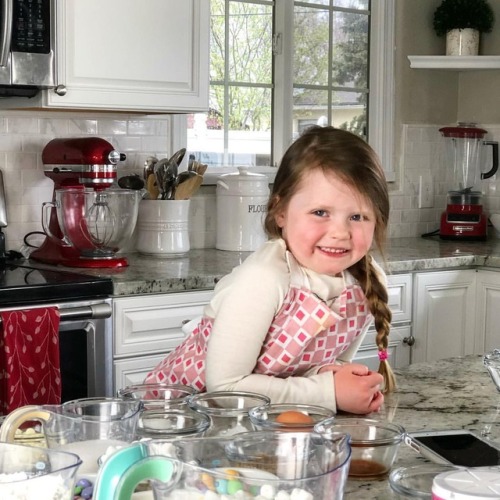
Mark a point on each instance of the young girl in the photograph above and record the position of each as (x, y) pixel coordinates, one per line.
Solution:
(287, 322)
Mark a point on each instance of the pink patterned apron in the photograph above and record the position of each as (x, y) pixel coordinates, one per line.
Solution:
(305, 333)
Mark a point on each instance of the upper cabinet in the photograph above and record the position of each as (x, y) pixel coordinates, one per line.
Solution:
(130, 55)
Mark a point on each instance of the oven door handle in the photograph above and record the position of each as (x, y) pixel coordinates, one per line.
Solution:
(94, 311)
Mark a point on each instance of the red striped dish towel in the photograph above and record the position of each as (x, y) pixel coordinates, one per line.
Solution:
(29, 358)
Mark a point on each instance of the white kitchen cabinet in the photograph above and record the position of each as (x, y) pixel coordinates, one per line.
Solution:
(444, 314)
(487, 311)
(400, 303)
(133, 371)
(130, 55)
(147, 327)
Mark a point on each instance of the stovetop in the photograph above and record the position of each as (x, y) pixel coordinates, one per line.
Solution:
(26, 284)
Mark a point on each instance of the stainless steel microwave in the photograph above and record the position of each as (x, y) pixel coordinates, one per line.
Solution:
(27, 39)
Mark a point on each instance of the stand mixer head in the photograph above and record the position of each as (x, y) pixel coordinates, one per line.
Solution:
(78, 234)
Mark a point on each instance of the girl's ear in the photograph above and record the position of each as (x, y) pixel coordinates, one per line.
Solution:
(279, 217)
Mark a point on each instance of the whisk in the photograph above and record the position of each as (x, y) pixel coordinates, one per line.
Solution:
(100, 221)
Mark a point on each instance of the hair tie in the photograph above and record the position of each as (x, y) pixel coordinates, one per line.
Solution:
(383, 355)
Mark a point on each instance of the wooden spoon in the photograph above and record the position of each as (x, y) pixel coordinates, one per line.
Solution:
(151, 187)
(187, 188)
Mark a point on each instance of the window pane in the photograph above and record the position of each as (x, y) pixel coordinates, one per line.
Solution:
(310, 107)
(349, 112)
(352, 4)
(310, 46)
(316, 2)
(217, 38)
(347, 4)
(250, 43)
(237, 129)
(350, 50)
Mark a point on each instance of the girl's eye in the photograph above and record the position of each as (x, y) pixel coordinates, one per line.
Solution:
(358, 217)
(320, 213)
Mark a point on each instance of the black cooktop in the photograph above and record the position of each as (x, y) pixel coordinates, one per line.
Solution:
(21, 284)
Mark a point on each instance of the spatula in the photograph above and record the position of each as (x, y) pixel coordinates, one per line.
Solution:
(187, 188)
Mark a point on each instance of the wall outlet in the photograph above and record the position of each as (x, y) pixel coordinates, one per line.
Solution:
(425, 191)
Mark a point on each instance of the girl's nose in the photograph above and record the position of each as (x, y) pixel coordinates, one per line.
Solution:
(339, 229)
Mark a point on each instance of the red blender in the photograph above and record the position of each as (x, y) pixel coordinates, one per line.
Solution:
(464, 218)
(87, 220)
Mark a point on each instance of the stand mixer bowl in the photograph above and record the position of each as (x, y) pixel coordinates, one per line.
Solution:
(98, 223)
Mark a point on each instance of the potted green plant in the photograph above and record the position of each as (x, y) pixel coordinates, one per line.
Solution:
(462, 21)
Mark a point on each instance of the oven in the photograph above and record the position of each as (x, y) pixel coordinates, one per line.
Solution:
(85, 328)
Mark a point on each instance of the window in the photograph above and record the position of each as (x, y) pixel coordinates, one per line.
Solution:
(279, 66)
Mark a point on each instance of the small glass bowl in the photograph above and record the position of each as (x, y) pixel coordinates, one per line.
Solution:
(172, 424)
(289, 417)
(374, 444)
(158, 396)
(227, 410)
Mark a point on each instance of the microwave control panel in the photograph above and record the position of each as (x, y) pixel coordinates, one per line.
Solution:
(31, 26)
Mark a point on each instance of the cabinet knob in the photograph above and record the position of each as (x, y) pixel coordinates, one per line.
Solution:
(185, 321)
(409, 340)
(61, 90)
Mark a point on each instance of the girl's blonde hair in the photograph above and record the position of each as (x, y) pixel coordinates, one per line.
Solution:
(351, 159)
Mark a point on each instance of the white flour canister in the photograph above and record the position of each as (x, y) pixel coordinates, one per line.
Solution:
(241, 208)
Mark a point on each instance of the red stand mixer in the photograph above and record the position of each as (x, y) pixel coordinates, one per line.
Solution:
(86, 221)
(464, 218)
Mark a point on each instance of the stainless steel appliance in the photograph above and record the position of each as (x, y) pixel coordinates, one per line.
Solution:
(85, 331)
(27, 41)
(464, 218)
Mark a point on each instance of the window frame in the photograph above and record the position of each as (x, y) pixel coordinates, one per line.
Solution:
(381, 86)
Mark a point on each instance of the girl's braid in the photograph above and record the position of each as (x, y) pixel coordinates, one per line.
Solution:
(376, 294)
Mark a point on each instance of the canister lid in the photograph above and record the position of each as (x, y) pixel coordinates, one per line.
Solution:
(243, 183)
(480, 483)
(244, 174)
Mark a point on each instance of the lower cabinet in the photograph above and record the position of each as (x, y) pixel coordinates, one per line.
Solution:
(147, 327)
(487, 331)
(455, 313)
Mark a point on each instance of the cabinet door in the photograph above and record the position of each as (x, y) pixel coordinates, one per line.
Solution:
(129, 372)
(487, 311)
(151, 324)
(140, 55)
(444, 315)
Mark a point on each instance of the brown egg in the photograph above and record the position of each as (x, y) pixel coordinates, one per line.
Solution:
(294, 417)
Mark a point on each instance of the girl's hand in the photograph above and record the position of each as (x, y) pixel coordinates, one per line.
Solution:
(357, 389)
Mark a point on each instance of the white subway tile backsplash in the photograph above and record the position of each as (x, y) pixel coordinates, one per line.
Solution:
(23, 136)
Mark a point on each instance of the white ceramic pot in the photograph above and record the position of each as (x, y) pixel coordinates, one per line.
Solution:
(463, 42)
(241, 208)
(162, 228)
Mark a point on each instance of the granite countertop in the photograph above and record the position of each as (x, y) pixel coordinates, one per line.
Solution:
(201, 269)
(455, 393)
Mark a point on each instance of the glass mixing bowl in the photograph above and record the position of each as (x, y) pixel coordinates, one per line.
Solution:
(260, 464)
(32, 472)
(97, 223)
(374, 444)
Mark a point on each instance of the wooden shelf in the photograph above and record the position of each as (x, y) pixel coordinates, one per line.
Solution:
(455, 63)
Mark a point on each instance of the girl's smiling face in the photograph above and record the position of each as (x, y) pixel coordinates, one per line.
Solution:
(328, 226)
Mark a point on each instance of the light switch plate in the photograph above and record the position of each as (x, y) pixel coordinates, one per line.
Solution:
(426, 191)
